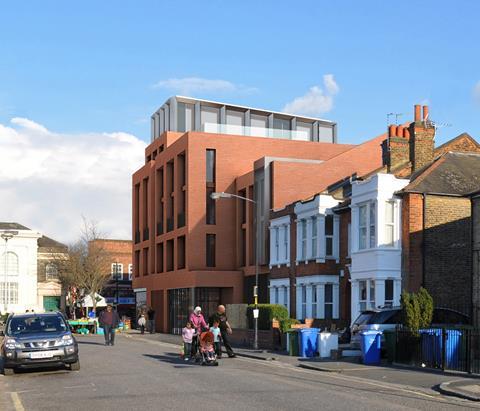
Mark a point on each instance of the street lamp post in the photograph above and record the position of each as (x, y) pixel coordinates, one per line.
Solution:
(217, 196)
(6, 235)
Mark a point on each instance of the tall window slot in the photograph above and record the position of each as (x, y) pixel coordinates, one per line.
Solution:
(304, 239)
(372, 226)
(329, 235)
(388, 293)
(210, 188)
(362, 225)
(314, 301)
(328, 301)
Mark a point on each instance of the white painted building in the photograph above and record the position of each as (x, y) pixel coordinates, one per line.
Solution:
(376, 243)
(18, 268)
(317, 240)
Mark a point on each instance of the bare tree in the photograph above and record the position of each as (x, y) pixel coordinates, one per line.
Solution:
(83, 266)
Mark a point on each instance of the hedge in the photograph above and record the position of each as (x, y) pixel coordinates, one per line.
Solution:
(267, 313)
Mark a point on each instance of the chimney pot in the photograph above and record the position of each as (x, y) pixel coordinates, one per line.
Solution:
(400, 131)
(425, 113)
(418, 113)
(392, 130)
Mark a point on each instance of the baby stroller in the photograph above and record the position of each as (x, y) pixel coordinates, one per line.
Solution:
(207, 351)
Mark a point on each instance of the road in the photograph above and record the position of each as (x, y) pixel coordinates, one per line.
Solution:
(148, 375)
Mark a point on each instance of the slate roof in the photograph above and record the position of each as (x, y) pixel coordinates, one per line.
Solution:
(455, 174)
(48, 242)
(12, 226)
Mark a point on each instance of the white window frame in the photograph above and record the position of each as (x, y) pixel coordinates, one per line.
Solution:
(286, 242)
(303, 242)
(369, 226)
(328, 303)
(115, 273)
(304, 301)
(330, 237)
(314, 237)
(372, 239)
(50, 276)
(314, 301)
(389, 303)
(368, 302)
(130, 272)
(277, 244)
(390, 225)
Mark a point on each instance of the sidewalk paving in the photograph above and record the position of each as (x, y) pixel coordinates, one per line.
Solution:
(424, 380)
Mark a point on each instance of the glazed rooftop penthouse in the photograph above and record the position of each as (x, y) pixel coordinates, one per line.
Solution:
(184, 114)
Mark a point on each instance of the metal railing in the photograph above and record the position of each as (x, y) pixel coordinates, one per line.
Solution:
(453, 348)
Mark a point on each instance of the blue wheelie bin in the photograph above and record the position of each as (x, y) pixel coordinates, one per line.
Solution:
(370, 343)
(308, 342)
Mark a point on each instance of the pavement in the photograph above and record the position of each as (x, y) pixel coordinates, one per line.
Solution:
(431, 382)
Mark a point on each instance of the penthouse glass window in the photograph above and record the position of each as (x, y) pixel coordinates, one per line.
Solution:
(235, 118)
(209, 115)
(210, 248)
(186, 117)
(304, 131)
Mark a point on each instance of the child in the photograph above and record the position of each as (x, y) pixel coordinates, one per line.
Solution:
(141, 322)
(216, 338)
(187, 335)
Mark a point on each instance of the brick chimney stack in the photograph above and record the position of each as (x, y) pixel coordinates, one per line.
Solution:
(413, 144)
(422, 140)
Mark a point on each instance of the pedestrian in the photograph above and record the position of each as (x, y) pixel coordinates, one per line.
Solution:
(141, 322)
(187, 335)
(215, 330)
(225, 329)
(199, 324)
(151, 320)
(109, 321)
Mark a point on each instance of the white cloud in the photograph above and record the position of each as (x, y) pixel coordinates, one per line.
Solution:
(316, 101)
(48, 180)
(190, 85)
(476, 92)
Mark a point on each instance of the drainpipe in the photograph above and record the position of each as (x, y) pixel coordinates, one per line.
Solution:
(424, 198)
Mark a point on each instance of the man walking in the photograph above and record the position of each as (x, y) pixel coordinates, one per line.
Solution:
(151, 320)
(109, 321)
(225, 329)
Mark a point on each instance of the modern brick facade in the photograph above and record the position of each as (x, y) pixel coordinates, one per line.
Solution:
(191, 250)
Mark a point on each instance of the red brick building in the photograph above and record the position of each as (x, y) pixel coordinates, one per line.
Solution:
(189, 249)
(119, 269)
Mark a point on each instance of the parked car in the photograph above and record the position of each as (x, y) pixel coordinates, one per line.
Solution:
(389, 318)
(38, 340)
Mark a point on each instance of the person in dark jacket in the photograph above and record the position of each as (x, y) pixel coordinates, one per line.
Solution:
(151, 320)
(225, 329)
(109, 321)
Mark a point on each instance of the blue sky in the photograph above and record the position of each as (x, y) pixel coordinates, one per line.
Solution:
(79, 81)
(90, 65)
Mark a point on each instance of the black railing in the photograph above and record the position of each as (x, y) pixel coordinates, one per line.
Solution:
(169, 224)
(137, 237)
(180, 220)
(453, 348)
(146, 234)
(159, 228)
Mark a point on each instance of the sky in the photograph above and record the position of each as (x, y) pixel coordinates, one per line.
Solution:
(79, 81)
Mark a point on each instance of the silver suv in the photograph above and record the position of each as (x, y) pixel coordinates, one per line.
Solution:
(38, 340)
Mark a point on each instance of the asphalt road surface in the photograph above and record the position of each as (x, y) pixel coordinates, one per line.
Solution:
(149, 375)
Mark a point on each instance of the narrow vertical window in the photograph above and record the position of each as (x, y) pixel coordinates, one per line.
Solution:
(210, 250)
(372, 226)
(211, 166)
(328, 301)
(211, 206)
(314, 301)
(285, 242)
(304, 239)
(314, 237)
(362, 227)
(285, 296)
(277, 244)
(372, 293)
(389, 223)
(276, 296)
(329, 235)
(389, 293)
(362, 297)
(304, 301)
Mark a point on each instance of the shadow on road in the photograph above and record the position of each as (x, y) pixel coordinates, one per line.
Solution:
(90, 343)
(171, 358)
